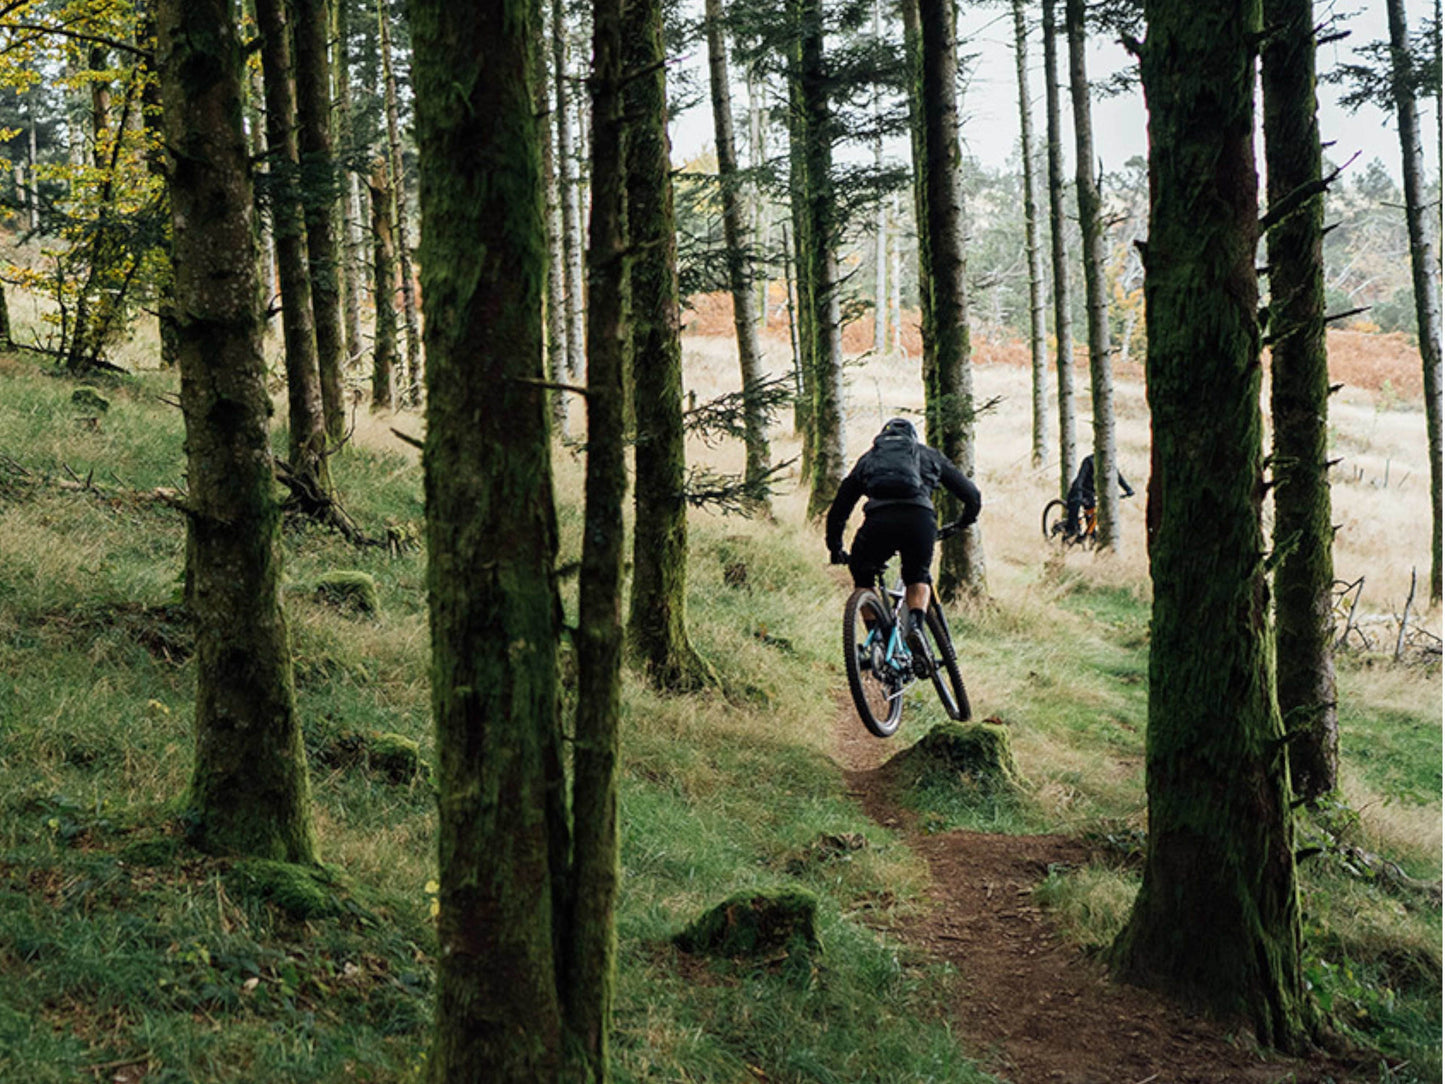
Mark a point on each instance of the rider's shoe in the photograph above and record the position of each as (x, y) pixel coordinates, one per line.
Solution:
(918, 646)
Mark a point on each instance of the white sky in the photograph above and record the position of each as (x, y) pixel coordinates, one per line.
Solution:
(990, 127)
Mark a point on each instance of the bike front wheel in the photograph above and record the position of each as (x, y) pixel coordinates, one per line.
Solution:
(1054, 520)
(947, 680)
(877, 689)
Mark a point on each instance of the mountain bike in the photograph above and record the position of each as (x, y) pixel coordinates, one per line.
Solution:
(1055, 522)
(880, 665)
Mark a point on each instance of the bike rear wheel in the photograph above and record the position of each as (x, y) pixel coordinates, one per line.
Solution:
(1054, 520)
(947, 680)
(876, 689)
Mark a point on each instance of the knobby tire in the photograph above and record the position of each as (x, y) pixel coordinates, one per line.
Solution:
(947, 679)
(875, 695)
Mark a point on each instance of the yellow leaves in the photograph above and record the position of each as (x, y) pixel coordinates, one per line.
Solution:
(434, 906)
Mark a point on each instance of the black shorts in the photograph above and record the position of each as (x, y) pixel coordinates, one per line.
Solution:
(905, 529)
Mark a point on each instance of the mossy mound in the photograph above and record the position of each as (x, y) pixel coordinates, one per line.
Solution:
(396, 759)
(301, 891)
(393, 757)
(348, 591)
(87, 398)
(756, 924)
(979, 756)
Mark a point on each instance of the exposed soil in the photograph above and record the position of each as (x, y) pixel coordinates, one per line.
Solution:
(1032, 1008)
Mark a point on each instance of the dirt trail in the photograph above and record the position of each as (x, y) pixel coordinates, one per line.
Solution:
(1033, 1009)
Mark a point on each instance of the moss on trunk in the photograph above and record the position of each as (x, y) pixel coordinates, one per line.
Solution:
(657, 620)
(303, 378)
(1217, 919)
(1299, 402)
(949, 392)
(249, 792)
(491, 545)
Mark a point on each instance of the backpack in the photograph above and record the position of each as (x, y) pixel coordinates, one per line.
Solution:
(894, 471)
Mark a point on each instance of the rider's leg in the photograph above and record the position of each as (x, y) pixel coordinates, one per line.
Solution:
(916, 596)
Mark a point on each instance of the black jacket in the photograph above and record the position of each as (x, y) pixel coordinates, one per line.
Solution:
(935, 469)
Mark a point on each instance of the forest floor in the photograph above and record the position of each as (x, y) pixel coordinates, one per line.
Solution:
(1031, 1007)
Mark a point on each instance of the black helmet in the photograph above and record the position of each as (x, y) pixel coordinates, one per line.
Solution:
(900, 426)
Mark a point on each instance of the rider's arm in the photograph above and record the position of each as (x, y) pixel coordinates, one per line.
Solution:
(962, 487)
(1123, 484)
(848, 493)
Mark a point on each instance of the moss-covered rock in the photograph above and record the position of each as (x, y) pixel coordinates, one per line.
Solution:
(301, 891)
(396, 758)
(349, 591)
(978, 755)
(756, 924)
(87, 398)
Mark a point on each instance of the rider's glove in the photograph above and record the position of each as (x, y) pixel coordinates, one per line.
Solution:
(837, 557)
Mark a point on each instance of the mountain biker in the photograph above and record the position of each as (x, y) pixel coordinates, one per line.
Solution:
(898, 475)
(1081, 494)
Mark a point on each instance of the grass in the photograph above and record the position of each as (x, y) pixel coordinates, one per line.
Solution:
(117, 942)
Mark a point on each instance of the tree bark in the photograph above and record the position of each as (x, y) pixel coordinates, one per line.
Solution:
(735, 241)
(1058, 238)
(307, 451)
(913, 49)
(383, 358)
(589, 975)
(1299, 403)
(556, 267)
(319, 197)
(805, 344)
(1101, 367)
(657, 619)
(1217, 918)
(1424, 266)
(950, 394)
(491, 547)
(571, 199)
(249, 792)
(820, 206)
(880, 230)
(256, 120)
(411, 391)
(1038, 330)
(351, 222)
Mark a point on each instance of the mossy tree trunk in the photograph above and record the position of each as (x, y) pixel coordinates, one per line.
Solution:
(1038, 329)
(913, 50)
(1059, 258)
(312, 20)
(803, 340)
(567, 186)
(491, 547)
(383, 264)
(1424, 257)
(556, 264)
(821, 212)
(735, 235)
(1299, 403)
(156, 166)
(657, 618)
(1096, 295)
(352, 229)
(1217, 918)
(590, 937)
(412, 385)
(950, 393)
(249, 793)
(307, 449)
